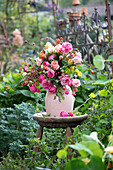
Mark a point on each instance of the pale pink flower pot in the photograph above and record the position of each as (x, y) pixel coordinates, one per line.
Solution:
(54, 107)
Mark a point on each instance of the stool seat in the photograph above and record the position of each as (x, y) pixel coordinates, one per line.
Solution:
(59, 122)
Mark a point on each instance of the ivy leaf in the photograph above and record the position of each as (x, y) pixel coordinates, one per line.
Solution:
(98, 61)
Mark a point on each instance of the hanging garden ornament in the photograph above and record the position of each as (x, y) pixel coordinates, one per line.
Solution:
(76, 2)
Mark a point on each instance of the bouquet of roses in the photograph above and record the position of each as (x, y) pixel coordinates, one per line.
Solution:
(54, 68)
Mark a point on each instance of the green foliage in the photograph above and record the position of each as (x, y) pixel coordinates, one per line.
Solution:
(15, 124)
(89, 149)
(17, 93)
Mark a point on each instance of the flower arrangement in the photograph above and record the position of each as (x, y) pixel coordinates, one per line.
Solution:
(54, 68)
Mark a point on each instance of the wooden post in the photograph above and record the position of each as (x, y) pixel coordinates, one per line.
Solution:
(39, 136)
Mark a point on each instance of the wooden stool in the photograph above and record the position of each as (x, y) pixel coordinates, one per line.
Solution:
(57, 122)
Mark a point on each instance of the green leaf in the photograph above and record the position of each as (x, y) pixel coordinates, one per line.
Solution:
(62, 154)
(99, 62)
(79, 100)
(96, 163)
(101, 82)
(111, 100)
(76, 164)
(79, 147)
(1, 86)
(110, 58)
(25, 92)
(103, 92)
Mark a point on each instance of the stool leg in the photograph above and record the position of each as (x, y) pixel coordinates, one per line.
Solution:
(38, 135)
(68, 134)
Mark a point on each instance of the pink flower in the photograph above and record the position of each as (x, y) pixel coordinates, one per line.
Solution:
(25, 68)
(77, 60)
(64, 80)
(38, 61)
(33, 89)
(38, 91)
(75, 82)
(57, 48)
(62, 49)
(45, 63)
(50, 73)
(70, 83)
(46, 84)
(24, 74)
(71, 114)
(63, 114)
(75, 90)
(51, 57)
(54, 64)
(67, 46)
(73, 94)
(53, 89)
(67, 92)
(41, 78)
(60, 57)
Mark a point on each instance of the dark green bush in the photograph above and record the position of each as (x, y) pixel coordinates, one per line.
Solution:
(15, 127)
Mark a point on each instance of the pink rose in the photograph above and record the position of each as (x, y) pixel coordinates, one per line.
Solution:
(50, 73)
(71, 114)
(53, 89)
(75, 82)
(46, 84)
(75, 90)
(51, 57)
(54, 64)
(62, 49)
(67, 46)
(33, 89)
(38, 91)
(64, 80)
(57, 48)
(67, 92)
(38, 61)
(63, 114)
(77, 60)
(25, 68)
(41, 78)
(60, 57)
(73, 94)
(70, 83)
(45, 63)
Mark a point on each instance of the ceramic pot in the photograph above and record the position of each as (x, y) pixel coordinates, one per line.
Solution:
(54, 106)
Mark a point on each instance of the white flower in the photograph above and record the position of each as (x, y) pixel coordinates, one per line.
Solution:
(109, 149)
(50, 50)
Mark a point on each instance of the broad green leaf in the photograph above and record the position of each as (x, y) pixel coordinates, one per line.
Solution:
(62, 154)
(76, 164)
(93, 146)
(99, 62)
(111, 100)
(110, 58)
(79, 147)
(103, 92)
(96, 163)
